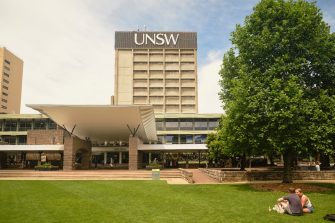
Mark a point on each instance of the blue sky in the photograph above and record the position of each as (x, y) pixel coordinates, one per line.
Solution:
(68, 45)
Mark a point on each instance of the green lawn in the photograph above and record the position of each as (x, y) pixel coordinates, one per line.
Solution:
(145, 201)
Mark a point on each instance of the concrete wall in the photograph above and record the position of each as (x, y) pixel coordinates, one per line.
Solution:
(235, 176)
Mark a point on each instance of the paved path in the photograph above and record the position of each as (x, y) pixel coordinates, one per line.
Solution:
(201, 178)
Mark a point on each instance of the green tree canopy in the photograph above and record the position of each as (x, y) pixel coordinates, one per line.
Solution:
(278, 82)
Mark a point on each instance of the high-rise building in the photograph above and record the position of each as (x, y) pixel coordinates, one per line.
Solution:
(157, 68)
(11, 69)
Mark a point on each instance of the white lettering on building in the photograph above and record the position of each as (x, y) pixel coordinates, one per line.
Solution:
(156, 39)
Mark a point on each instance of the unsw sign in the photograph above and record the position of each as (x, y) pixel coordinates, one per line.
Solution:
(134, 40)
(156, 39)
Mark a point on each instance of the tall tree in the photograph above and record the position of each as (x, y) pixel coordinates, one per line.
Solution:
(278, 82)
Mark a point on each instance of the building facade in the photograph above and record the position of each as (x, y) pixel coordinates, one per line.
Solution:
(11, 70)
(157, 68)
(153, 117)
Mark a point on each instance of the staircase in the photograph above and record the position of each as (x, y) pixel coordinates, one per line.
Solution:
(86, 174)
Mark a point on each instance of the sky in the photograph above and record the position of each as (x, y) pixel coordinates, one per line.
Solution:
(68, 45)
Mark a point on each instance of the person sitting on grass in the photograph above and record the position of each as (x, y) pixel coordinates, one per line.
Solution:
(306, 203)
(291, 203)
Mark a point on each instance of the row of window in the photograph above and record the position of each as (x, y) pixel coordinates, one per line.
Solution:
(166, 139)
(25, 125)
(14, 140)
(187, 124)
(182, 139)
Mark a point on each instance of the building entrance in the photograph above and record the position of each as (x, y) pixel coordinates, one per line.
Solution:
(175, 159)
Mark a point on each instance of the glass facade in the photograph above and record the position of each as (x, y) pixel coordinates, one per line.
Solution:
(198, 126)
(186, 139)
(25, 125)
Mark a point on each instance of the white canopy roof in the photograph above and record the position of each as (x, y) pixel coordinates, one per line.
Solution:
(103, 122)
(172, 147)
(31, 147)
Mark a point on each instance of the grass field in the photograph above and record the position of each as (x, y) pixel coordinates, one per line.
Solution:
(145, 201)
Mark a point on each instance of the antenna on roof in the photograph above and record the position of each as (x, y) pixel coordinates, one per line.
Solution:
(145, 28)
(138, 28)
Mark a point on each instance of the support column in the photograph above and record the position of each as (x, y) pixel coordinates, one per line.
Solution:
(105, 158)
(72, 145)
(133, 152)
(149, 157)
(120, 157)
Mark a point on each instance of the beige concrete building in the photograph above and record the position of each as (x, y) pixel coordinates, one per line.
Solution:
(157, 68)
(11, 69)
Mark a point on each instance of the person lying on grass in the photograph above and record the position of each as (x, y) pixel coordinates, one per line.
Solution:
(305, 201)
(291, 203)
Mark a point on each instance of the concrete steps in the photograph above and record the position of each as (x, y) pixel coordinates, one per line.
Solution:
(87, 174)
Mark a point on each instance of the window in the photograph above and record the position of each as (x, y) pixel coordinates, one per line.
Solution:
(160, 139)
(4, 93)
(212, 124)
(200, 139)
(25, 125)
(10, 125)
(7, 62)
(186, 139)
(4, 87)
(171, 139)
(6, 81)
(172, 124)
(4, 107)
(200, 124)
(51, 124)
(186, 124)
(4, 100)
(160, 125)
(11, 140)
(6, 68)
(7, 75)
(22, 140)
(40, 124)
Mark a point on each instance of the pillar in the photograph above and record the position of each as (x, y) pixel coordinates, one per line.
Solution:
(105, 158)
(72, 145)
(134, 161)
(120, 157)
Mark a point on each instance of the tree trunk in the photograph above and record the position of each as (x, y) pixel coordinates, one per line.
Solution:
(325, 161)
(243, 160)
(288, 164)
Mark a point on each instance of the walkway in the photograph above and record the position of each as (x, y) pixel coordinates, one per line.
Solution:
(201, 178)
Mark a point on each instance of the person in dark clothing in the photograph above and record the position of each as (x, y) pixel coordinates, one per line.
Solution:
(291, 203)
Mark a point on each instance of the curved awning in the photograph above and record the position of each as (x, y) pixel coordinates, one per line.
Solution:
(103, 122)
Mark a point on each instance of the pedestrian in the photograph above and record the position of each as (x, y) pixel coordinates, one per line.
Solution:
(317, 166)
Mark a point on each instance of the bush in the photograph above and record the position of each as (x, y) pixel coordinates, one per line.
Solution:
(154, 166)
(46, 166)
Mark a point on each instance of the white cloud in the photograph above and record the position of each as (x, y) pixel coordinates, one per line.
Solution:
(67, 51)
(208, 86)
